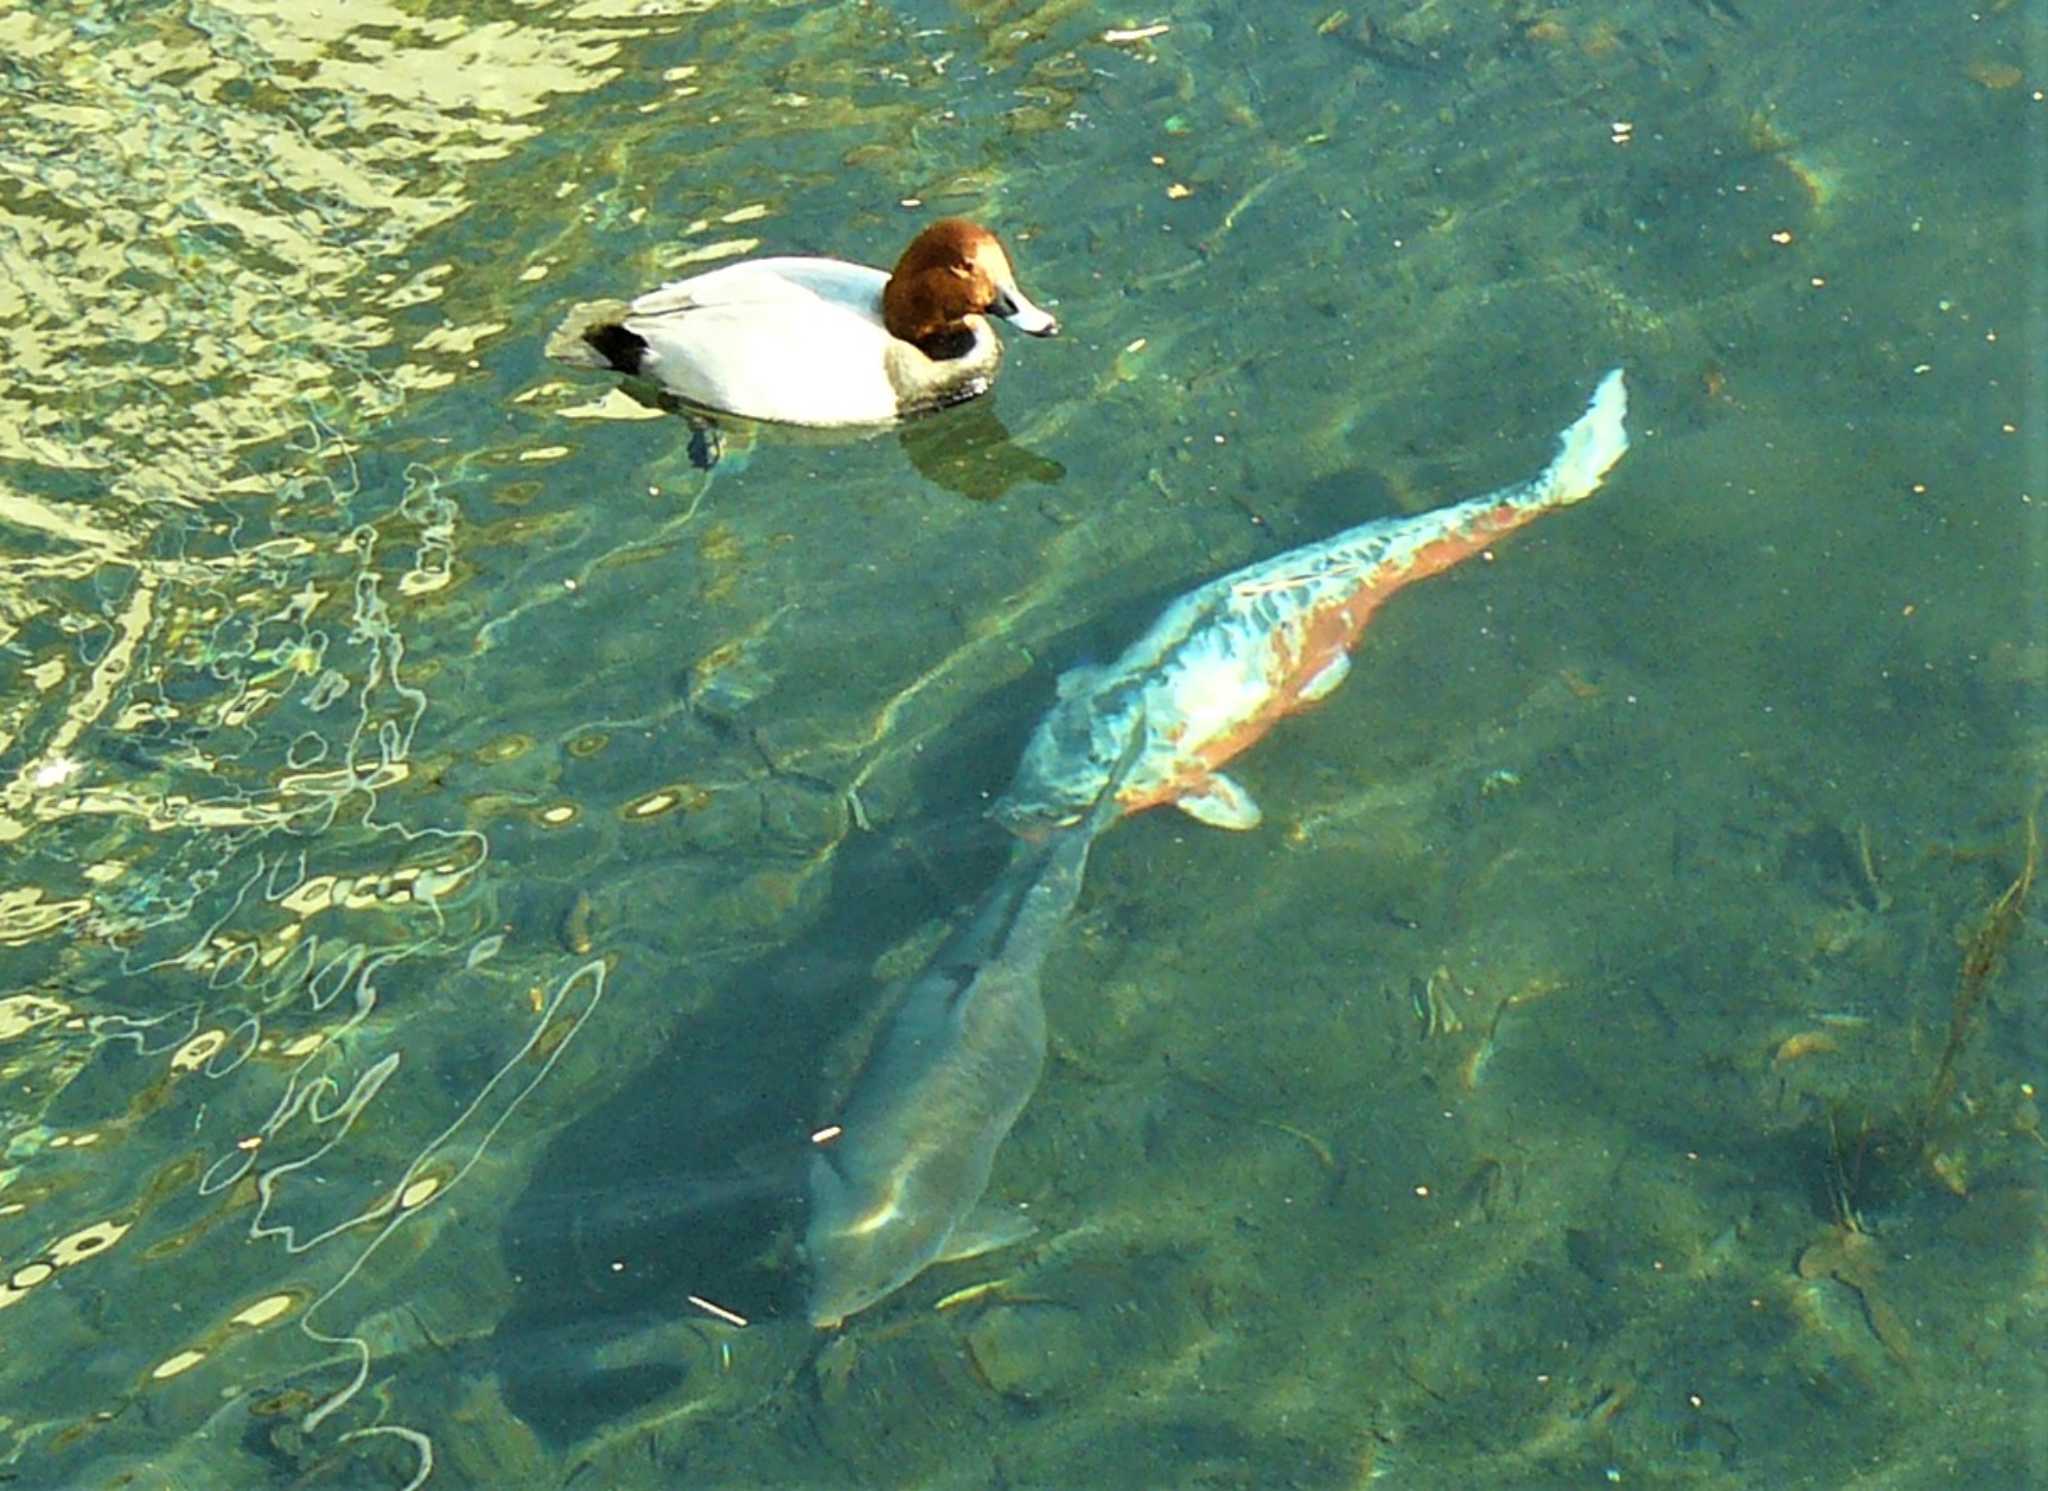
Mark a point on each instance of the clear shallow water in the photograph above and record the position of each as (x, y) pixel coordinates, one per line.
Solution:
(435, 906)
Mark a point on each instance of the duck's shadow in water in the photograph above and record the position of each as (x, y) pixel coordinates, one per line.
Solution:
(966, 449)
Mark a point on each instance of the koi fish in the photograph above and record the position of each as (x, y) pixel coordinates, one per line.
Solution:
(899, 1186)
(1226, 661)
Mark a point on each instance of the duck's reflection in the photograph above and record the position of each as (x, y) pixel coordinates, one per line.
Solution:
(966, 449)
(970, 451)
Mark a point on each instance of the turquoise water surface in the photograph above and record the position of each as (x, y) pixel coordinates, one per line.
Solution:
(455, 848)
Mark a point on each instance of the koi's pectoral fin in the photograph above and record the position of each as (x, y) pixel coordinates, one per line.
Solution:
(1334, 672)
(986, 1229)
(1220, 803)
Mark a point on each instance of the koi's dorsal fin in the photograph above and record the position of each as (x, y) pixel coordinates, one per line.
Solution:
(984, 1230)
(1220, 803)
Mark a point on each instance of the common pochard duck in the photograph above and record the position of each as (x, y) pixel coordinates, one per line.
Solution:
(820, 342)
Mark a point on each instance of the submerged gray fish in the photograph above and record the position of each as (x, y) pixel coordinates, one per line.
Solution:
(900, 1187)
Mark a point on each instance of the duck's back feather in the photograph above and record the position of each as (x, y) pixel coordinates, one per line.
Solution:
(788, 281)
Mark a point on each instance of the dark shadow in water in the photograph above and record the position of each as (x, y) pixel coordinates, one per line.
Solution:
(685, 1183)
(965, 449)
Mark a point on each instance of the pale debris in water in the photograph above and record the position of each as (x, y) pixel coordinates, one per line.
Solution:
(728, 1316)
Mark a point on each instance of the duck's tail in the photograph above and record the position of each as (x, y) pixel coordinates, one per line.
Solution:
(594, 336)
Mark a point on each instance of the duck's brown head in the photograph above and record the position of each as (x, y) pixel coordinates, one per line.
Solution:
(952, 270)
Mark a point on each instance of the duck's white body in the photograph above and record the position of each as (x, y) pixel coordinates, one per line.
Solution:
(808, 341)
(719, 340)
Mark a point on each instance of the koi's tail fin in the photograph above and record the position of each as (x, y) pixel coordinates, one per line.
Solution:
(1589, 449)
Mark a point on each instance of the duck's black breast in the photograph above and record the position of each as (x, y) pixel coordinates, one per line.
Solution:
(949, 344)
(625, 351)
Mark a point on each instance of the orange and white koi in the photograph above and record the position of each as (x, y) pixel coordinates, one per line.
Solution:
(1226, 661)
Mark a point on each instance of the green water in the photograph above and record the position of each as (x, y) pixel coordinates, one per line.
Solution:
(452, 843)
